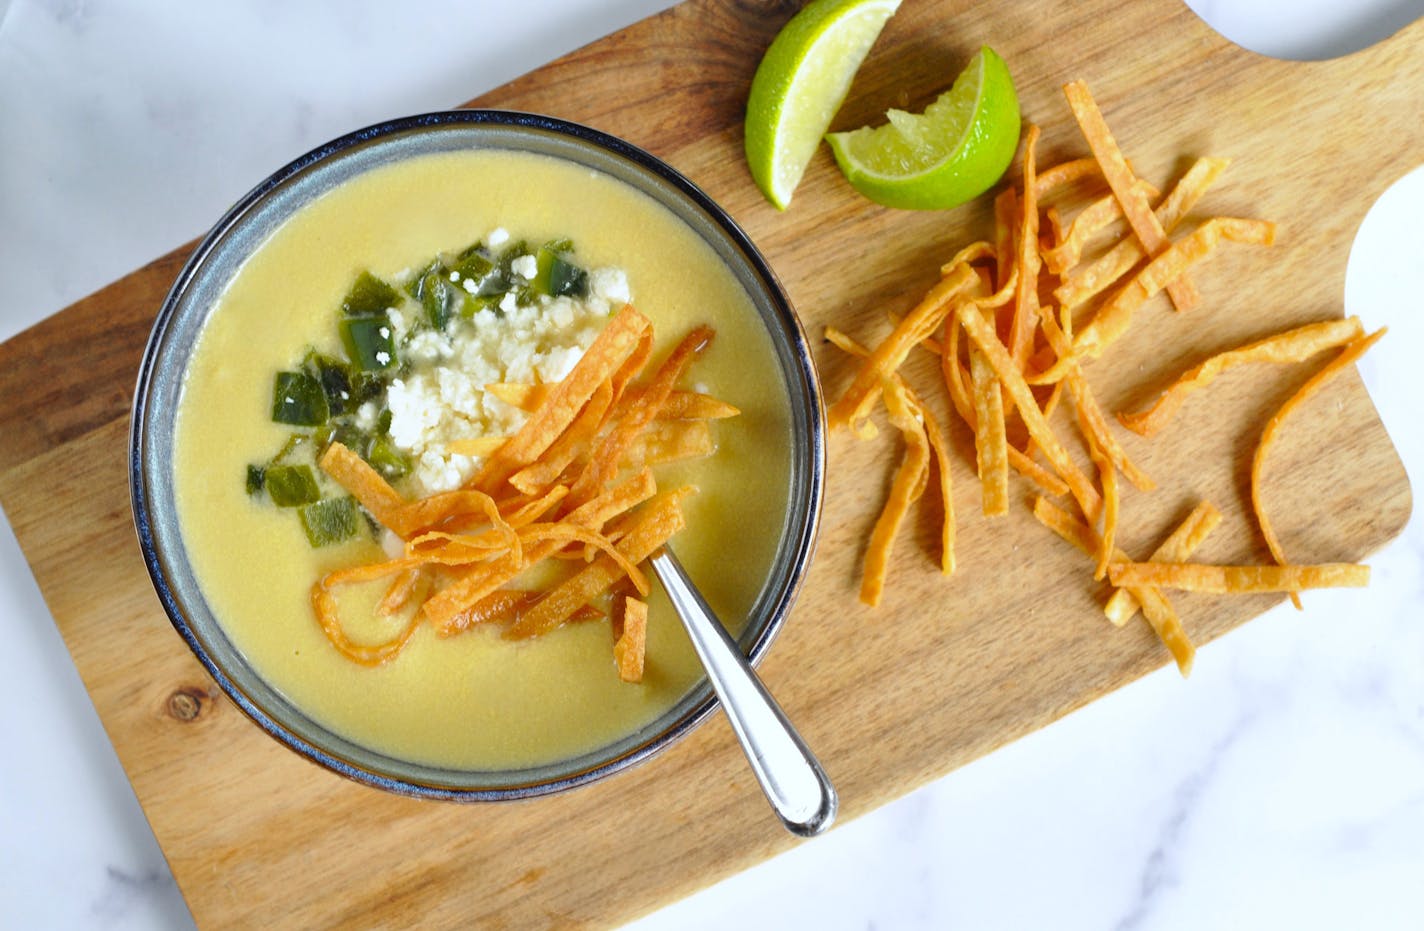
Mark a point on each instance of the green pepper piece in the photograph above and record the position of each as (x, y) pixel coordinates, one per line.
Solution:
(294, 444)
(475, 265)
(335, 379)
(369, 297)
(298, 398)
(330, 520)
(344, 432)
(370, 343)
(511, 252)
(256, 479)
(385, 457)
(561, 246)
(558, 277)
(289, 486)
(441, 298)
(477, 304)
(366, 386)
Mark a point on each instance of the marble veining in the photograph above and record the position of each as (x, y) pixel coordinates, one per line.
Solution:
(1283, 786)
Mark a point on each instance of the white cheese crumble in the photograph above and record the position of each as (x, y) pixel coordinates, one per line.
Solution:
(498, 236)
(525, 266)
(442, 397)
(611, 285)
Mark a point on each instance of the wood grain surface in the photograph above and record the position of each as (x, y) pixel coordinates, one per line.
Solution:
(946, 669)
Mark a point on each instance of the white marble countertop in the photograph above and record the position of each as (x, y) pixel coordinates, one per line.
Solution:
(1283, 786)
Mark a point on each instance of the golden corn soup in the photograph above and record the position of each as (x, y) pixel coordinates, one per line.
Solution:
(476, 700)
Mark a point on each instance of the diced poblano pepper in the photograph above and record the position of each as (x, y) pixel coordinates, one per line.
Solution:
(290, 486)
(370, 343)
(369, 297)
(343, 432)
(335, 378)
(441, 298)
(330, 520)
(386, 458)
(558, 277)
(256, 479)
(366, 386)
(298, 398)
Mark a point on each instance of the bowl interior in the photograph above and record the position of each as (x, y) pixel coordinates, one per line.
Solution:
(213, 266)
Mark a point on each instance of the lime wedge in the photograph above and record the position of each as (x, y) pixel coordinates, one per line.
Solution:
(953, 152)
(800, 84)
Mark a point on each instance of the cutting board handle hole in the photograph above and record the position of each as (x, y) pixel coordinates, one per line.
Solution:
(1314, 31)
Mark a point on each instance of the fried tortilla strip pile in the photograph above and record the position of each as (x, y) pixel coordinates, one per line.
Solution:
(1078, 250)
(573, 487)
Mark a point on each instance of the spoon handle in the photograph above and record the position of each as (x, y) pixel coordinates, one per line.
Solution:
(788, 772)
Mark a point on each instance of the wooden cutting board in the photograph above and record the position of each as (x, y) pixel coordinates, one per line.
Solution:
(946, 669)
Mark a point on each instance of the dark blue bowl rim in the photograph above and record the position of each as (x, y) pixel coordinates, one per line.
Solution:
(803, 543)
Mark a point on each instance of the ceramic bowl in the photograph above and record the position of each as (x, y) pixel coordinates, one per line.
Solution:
(213, 265)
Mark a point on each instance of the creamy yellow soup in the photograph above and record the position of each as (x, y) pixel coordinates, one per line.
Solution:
(475, 701)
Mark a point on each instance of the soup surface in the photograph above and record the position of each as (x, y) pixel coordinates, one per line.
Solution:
(474, 701)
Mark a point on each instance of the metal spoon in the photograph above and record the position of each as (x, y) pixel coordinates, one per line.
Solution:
(788, 772)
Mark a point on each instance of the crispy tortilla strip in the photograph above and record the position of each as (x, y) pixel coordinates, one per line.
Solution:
(469, 587)
(987, 340)
(647, 529)
(1176, 548)
(329, 617)
(609, 355)
(525, 397)
(907, 486)
(1120, 178)
(1006, 211)
(566, 533)
(991, 445)
(1093, 219)
(1112, 320)
(367, 486)
(1195, 577)
(498, 606)
(1107, 476)
(418, 516)
(1347, 357)
(853, 408)
(480, 446)
(670, 441)
(614, 501)
(631, 647)
(955, 381)
(946, 482)
(685, 405)
(935, 436)
(1104, 271)
(478, 582)
(1020, 341)
(976, 251)
(572, 445)
(1160, 614)
(1094, 425)
(400, 593)
(524, 510)
(1049, 180)
(636, 416)
(1292, 346)
(1187, 191)
(503, 605)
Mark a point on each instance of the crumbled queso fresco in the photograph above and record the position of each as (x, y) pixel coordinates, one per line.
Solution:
(442, 398)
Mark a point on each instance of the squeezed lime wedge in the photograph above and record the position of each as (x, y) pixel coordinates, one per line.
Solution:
(957, 149)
